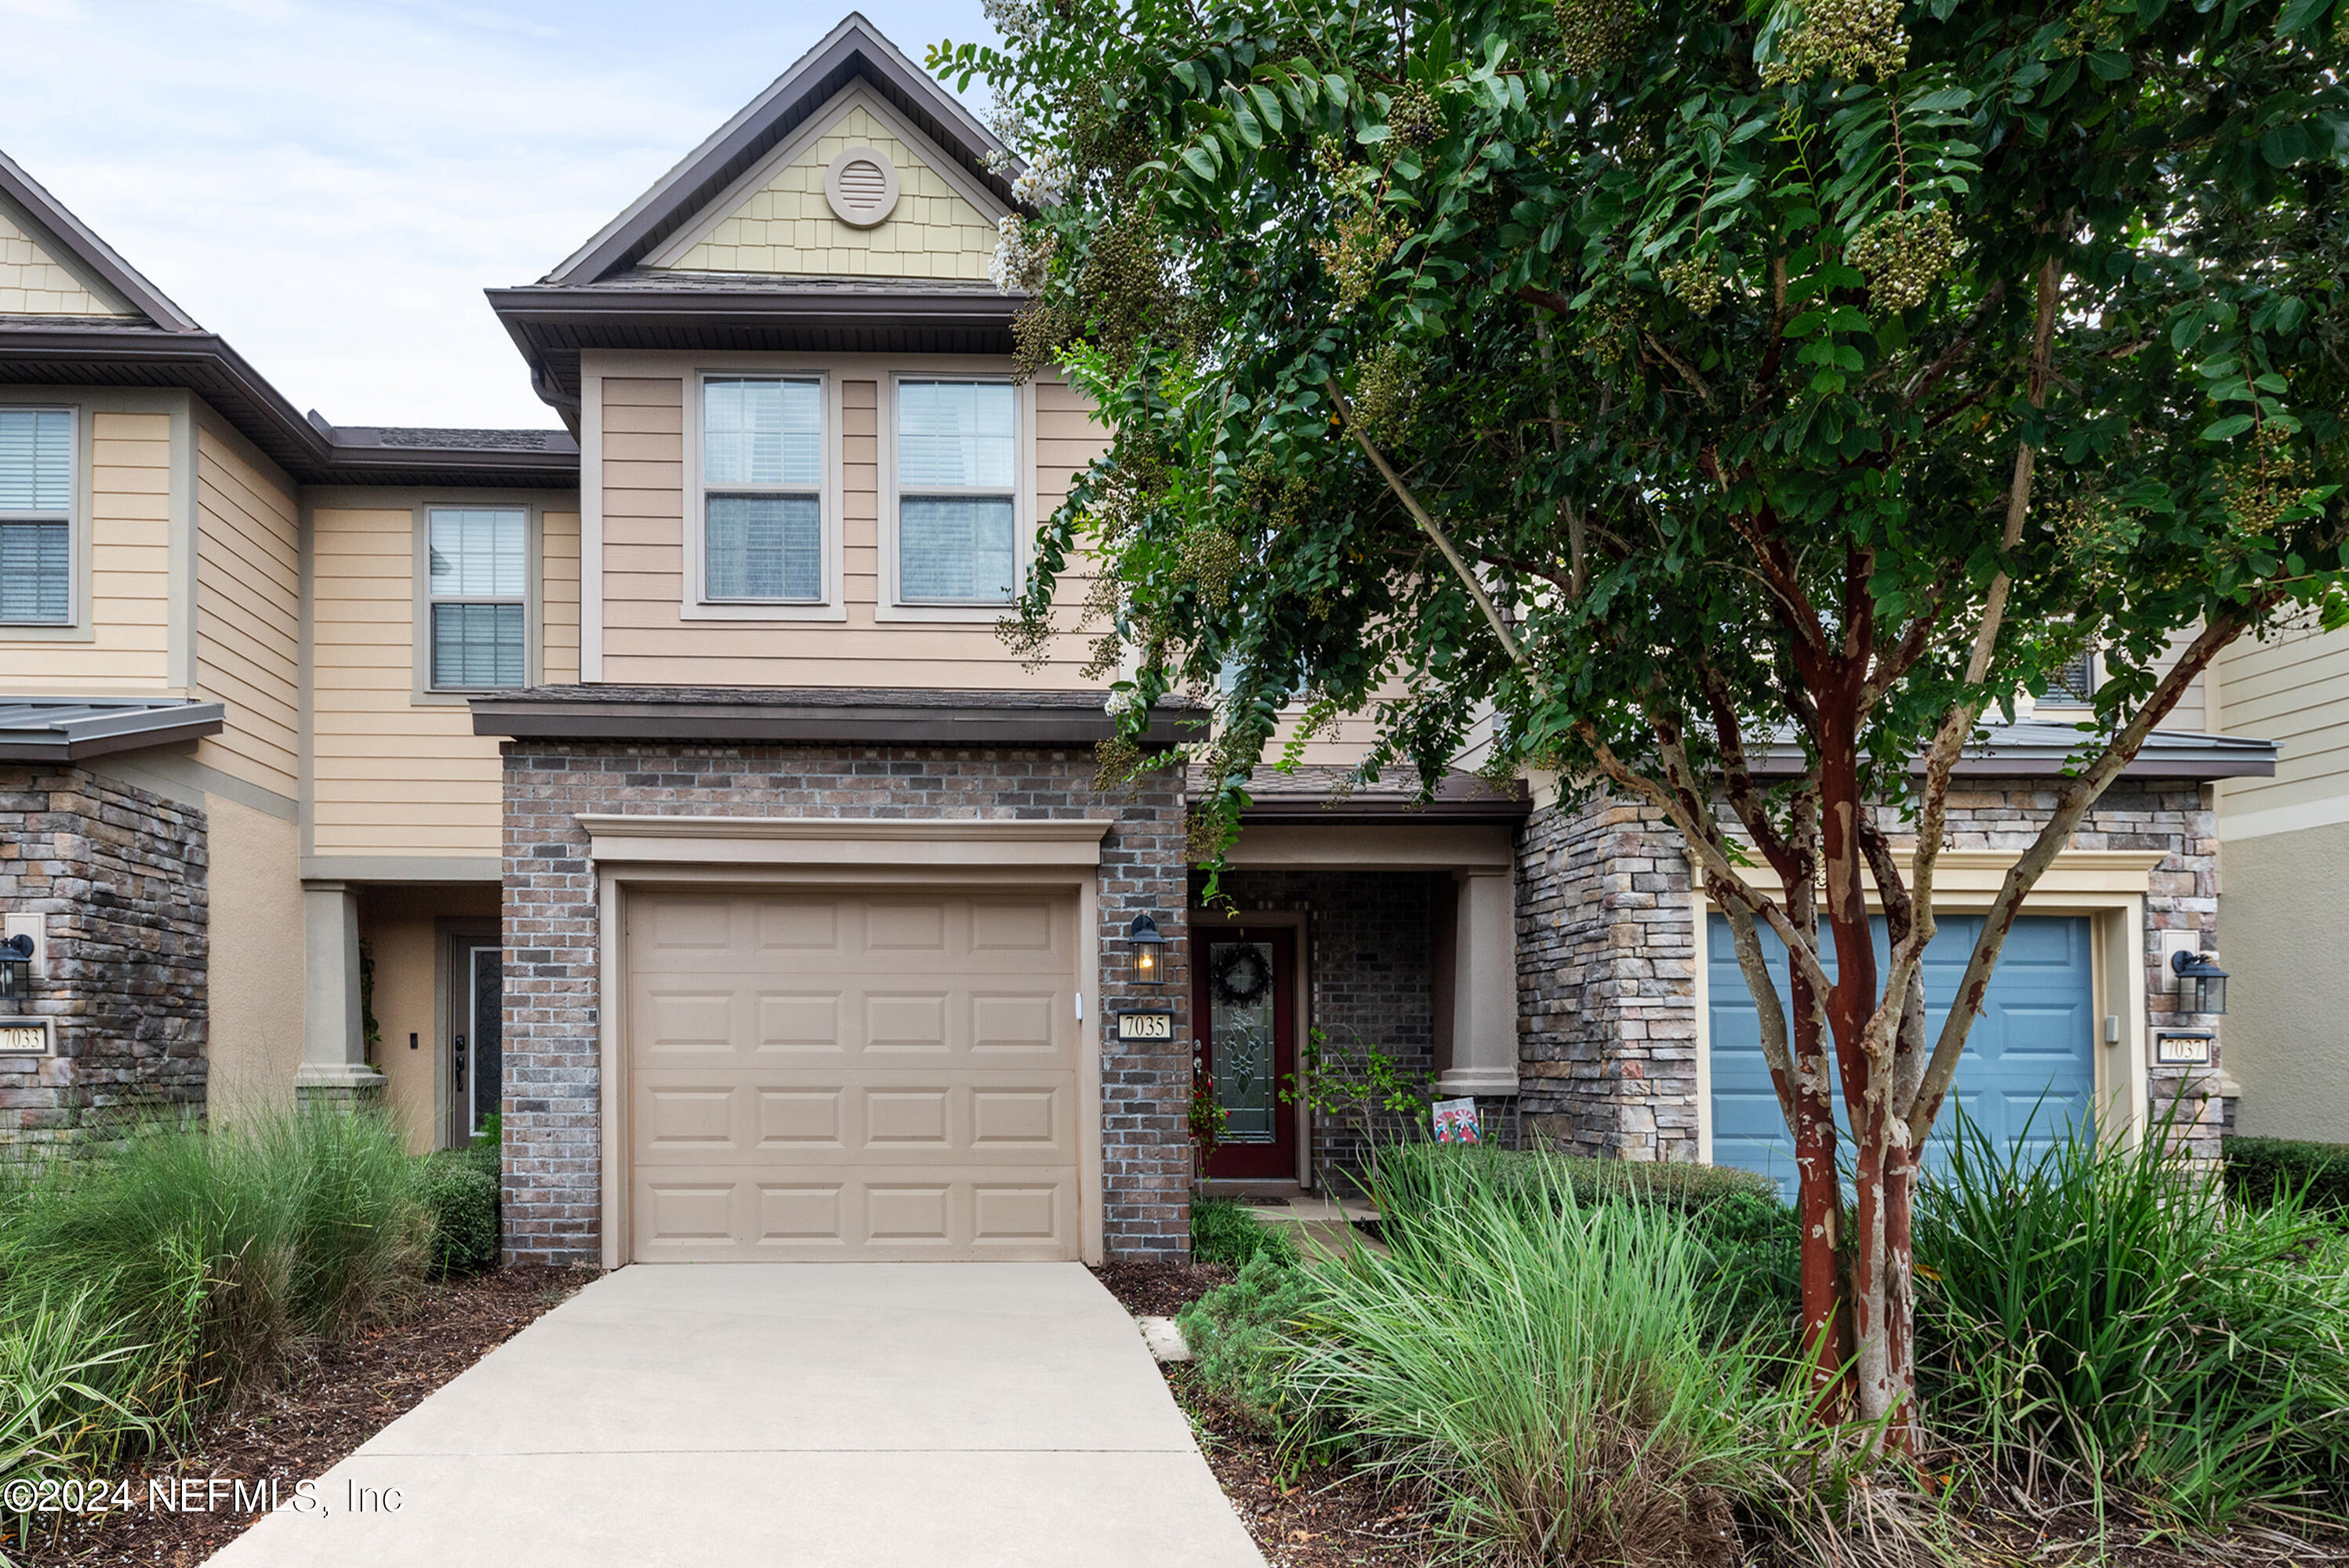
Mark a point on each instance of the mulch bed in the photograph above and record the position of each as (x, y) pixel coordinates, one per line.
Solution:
(302, 1430)
(1313, 1517)
(1160, 1290)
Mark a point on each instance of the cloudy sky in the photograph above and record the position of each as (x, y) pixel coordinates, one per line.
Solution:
(330, 184)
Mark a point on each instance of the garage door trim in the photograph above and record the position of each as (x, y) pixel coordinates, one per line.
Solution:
(860, 852)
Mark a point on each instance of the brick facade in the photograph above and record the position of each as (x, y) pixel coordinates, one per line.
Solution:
(1607, 948)
(120, 876)
(552, 1147)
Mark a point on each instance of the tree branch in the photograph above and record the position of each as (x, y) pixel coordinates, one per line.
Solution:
(1443, 541)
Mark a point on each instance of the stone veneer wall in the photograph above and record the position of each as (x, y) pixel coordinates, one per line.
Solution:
(1607, 949)
(552, 1150)
(1372, 972)
(121, 874)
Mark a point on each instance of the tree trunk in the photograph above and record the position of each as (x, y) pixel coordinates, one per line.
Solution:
(1819, 1204)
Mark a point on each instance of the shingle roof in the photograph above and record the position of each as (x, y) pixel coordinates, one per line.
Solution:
(69, 729)
(806, 716)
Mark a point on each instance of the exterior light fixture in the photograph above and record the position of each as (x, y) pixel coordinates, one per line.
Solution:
(1149, 951)
(16, 968)
(2208, 989)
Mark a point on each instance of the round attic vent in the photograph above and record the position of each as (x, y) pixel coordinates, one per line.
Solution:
(861, 186)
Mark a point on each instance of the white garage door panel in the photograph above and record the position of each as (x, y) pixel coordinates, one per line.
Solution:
(853, 1076)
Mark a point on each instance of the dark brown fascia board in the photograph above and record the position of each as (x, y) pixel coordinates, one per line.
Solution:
(206, 365)
(686, 720)
(698, 178)
(2236, 759)
(102, 738)
(75, 237)
(541, 304)
(1311, 810)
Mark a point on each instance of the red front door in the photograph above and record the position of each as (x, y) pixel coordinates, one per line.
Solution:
(1246, 1005)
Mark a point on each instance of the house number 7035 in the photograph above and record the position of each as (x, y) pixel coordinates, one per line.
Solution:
(1145, 1025)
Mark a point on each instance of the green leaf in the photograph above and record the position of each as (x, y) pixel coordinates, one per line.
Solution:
(1245, 125)
(2227, 430)
(2109, 65)
(2299, 13)
(1199, 157)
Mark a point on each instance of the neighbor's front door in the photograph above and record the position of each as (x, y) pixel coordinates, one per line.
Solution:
(1246, 1003)
(477, 1064)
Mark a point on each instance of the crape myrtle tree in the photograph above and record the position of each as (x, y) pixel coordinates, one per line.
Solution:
(1626, 385)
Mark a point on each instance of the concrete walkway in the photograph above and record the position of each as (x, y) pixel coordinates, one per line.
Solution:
(877, 1415)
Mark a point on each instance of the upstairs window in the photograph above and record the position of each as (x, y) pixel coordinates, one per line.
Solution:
(478, 588)
(37, 516)
(2075, 684)
(763, 490)
(957, 460)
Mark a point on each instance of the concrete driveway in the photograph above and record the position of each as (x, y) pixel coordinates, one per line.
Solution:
(944, 1415)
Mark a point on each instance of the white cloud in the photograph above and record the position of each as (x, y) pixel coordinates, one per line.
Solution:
(330, 184)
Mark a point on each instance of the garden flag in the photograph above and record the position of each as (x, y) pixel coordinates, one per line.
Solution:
(1456, 1121)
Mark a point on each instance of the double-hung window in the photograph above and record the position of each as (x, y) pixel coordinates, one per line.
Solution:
(958, 463)
(477, 582)
(762, 490)
(37, 464)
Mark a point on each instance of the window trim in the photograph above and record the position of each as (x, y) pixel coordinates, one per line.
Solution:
(891, 603)
(77, 625)
(422, 692)
(695, 604)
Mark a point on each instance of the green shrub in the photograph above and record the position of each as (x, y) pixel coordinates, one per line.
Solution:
(2103, 1309)
(2258, 1169)
(1223, 1232)
(1412, 1174)
(463, 1200)
(1539, 1366)
(63, 1410)
(1235, 1332)
(1755, 1243)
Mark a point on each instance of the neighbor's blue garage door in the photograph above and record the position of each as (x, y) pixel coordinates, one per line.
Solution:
(2029, 1066)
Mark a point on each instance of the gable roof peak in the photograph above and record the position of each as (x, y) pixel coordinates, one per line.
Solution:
(854, 49)
(76, 246)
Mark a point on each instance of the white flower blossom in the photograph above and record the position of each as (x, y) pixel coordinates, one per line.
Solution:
(1046, 182)
(1020, 255)
(1019, 21)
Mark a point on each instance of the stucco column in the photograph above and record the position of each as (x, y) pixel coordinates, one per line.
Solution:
(1484, 984)
(333, 1040)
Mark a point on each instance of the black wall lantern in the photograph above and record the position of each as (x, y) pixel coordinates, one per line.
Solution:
(16, 967)
(1149, 951)
(2201, 980)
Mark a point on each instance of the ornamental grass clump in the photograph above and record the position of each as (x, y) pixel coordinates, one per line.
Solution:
(200, 1264)
(2104, 1315)
(1536, 1368)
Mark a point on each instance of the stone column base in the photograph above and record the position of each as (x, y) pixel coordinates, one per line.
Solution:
(345, 1084)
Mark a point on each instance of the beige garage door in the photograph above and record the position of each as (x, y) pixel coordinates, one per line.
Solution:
(852, 1075)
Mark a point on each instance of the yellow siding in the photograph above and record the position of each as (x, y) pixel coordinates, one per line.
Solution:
(788, 226)
(248, 614)
(33, 282)
(129, 571)
(391, 776)
(2293, 688)
(559, 595)
(648, 640)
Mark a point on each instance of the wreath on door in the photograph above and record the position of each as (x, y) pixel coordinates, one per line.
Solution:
(1242, 974)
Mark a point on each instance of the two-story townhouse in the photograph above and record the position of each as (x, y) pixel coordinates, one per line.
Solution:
(235, 646)
(697, 819)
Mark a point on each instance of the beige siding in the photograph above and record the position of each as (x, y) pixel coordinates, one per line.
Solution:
(788, 226)
(35, 282)
(248, 613)
(391, 776)
(2293, 688)
(129, 571)
(402, 931)
(648, 640)
(558, 550)
(254, 1028)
